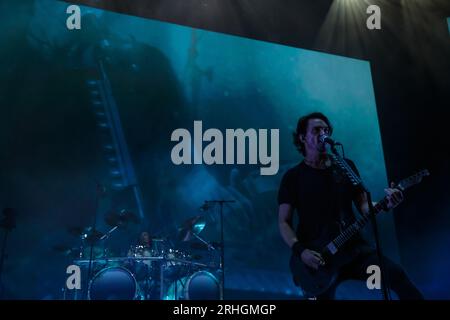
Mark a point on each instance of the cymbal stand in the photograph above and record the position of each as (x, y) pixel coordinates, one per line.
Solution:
(222, 251)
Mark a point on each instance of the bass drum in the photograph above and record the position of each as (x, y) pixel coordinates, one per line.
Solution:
(113, 283)
(201, 285)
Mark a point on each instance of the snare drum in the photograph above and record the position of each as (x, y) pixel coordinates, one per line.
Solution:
(142, 269)
(113, 283)
(177, 263)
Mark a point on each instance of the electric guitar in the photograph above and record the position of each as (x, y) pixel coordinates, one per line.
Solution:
(330, 246)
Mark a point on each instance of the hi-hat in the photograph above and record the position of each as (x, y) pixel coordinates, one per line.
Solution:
(88, 234)
(67, 251)
(92, 236)
(76, 231)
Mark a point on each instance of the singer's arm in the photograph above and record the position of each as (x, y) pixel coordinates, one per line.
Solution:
(309, 257)
(285, 224)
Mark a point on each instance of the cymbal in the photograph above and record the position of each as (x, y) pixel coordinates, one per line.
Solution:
(76, 231)
(121, 218)
(92, 236)
(66, 250)
(61, 248)
(86, 234)
(192, 226)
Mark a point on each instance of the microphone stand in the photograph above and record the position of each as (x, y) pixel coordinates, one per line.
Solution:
(356, 181)
(222, 244)
(384, 275)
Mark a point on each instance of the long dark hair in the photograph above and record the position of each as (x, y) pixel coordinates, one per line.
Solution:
(302, 126)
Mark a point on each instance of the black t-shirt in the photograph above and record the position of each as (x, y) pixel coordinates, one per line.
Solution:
(322, 199)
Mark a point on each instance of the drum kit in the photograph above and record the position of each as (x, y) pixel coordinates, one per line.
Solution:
(154, 269)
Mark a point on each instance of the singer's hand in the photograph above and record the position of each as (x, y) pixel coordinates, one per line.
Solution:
(312, 259)
(394, 196)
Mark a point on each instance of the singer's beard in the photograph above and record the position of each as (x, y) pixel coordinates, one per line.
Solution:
(321, 147)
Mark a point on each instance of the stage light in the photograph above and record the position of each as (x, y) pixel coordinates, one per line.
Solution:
(344, 28)
(115, 173)
(117, 185)
(92, 83)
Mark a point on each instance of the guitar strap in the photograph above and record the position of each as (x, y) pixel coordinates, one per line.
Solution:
(339, 189)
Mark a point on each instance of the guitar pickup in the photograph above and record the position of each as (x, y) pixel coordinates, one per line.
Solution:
(332, 248)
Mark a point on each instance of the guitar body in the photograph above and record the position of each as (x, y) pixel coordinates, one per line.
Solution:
(315, 282)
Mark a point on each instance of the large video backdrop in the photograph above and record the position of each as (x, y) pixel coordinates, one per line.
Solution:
(160, 77)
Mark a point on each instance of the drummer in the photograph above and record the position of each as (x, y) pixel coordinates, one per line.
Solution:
(144, 246)
(145, 271)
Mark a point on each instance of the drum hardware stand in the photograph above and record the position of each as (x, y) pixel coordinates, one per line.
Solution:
(176, 288)
(107, 235)
(99, 191)
(8, 223)
(357, 182)
(222, 244)
(161, 285)
(210, 246)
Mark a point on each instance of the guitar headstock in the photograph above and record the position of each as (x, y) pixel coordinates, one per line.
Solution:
(413, 180)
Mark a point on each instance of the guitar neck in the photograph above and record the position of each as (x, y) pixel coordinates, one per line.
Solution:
(354, 228)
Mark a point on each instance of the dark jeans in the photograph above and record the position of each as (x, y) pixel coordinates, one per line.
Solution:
(397, 279)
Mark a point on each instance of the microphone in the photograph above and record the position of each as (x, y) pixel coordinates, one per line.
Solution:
(326, 139)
